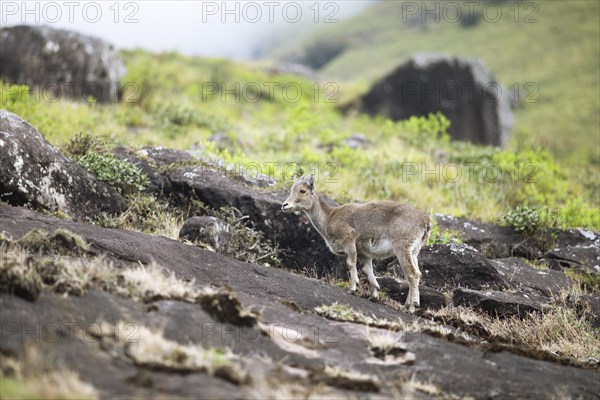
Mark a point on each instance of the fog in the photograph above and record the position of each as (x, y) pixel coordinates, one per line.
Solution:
(230, 29)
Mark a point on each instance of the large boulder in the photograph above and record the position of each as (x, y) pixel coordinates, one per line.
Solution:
(34, 173)
(463, 89)
(60, 62)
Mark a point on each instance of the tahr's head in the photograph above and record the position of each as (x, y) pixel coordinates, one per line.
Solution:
(302, 195)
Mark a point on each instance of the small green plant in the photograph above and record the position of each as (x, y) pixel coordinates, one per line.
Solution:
(524, 219)
(83, 143)
(532, 221)
(122, 175)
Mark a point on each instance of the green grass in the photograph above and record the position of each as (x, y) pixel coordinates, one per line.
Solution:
(411, 161)
(559, 53)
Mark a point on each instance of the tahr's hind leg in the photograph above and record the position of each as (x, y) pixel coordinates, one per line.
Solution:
(412, 275)
(414, 262)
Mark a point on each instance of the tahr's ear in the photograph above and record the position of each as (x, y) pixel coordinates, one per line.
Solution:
(310, 181)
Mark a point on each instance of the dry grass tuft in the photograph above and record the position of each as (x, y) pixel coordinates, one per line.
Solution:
(28, 379)
(382, 342)
(344, 378)
(342, 312)
(151, 283)
(61, 241)
(149, 348)
(149, 215)
(559, 330)
(18, 278)
(24, 275)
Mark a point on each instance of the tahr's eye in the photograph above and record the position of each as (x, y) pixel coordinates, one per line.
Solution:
(302, 191)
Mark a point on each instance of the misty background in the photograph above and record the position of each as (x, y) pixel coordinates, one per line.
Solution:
(228, 29)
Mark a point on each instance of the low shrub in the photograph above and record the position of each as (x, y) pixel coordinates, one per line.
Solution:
(122, 175)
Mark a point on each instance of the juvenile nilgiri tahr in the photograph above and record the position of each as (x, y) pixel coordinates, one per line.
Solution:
(366, 231)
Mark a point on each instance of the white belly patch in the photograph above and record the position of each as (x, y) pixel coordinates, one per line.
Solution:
(381, 247)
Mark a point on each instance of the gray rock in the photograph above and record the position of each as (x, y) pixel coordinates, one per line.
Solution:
(72, 65)
(357, 141)
(458, 265)
(545, 282)
(462, 88)
(576, 248)
(34, 173)
(493, 241)
(209, 231)
(500, 304)
(398, 291)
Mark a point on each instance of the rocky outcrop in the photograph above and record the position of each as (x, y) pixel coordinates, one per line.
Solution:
(60, 63)
(579, 248)
(571, 248)
(461, 88)
(34, 173)
(292, 347)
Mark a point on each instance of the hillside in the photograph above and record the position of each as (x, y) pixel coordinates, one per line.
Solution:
(104, 306)
(181, 102)
(554, 45)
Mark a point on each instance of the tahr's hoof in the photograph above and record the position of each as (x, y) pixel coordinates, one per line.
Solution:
(411, 307)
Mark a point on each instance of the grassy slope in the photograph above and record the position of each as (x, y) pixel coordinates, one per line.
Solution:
(169, 110)
(560, 53)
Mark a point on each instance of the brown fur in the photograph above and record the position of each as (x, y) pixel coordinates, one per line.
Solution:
(366, 231)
